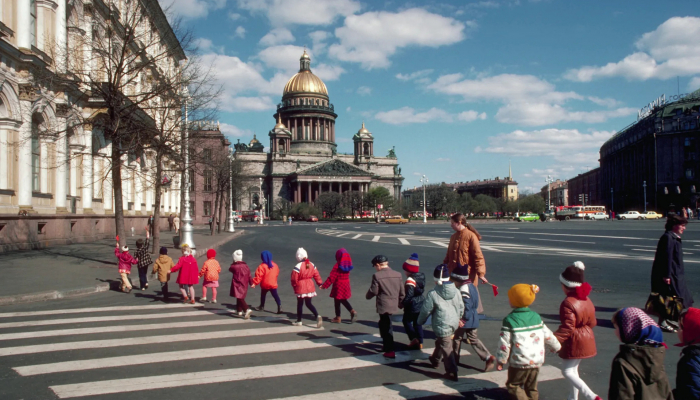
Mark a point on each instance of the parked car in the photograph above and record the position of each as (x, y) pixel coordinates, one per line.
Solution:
(652, 215)
(527, 217)
(597, 216)
(631, 215)
(396, 220)
(312, 218)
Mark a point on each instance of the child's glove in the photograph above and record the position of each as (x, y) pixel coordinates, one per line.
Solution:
(461, 323)
(499, 367)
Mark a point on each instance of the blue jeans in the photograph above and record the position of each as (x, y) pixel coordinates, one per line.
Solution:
(413, 329)
(143, 276)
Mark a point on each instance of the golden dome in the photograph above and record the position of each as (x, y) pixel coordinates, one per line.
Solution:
(305, 81)
(363, 131)
(279, 125)
(254, 141)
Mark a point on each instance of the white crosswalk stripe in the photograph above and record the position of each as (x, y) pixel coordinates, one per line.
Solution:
(121, 354)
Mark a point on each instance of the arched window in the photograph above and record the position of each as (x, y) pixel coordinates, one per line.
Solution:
(365, 148)
(281, 146)
(37, 121)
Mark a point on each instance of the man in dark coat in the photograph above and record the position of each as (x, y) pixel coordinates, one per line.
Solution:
(667, 272)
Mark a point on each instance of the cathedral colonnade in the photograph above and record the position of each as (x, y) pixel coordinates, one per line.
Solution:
(308, 191)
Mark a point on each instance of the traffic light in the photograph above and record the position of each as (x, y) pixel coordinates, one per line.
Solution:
(421, 203)
(580, 198)
(427, 204)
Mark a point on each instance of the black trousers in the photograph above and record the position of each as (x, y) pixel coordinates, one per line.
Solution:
(300, 307)
(386, 331)
(337, 304)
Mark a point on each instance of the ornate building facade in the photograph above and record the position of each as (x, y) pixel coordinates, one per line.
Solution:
(302, 161)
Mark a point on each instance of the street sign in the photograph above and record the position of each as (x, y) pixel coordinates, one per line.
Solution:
(379, 206)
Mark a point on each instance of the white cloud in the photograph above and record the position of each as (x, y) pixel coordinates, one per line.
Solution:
(283, 57)
(327, 72)
(414, 75)
(538, 114)
(407, 115)
(234, 131)
(318, 39)
(669, 51)
(364, 91)
(234, 16)
(371, 38)
(239, 32)
(442, 159)
(694, 84)
(243, 104)
(191, 9)
(204, 43)
(277, 36)
(605, 102)
(301, 12)
(471, 115)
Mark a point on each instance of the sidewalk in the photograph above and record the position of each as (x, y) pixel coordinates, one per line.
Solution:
(79, 269)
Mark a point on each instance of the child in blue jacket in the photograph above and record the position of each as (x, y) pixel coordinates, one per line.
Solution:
(688, 370)
(412, 303)
(469, 322)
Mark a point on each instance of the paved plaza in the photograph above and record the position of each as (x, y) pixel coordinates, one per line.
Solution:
(111, 345)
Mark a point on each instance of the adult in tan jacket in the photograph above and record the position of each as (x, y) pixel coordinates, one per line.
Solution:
(464, 249)
(162, 267)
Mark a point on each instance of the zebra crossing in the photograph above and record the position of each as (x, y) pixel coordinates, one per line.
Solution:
(111, 351)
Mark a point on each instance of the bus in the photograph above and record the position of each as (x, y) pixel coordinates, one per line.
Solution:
(565, 213)
(250, 215)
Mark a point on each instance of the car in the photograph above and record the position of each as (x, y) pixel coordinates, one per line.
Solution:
(312, 218)
(527, 217)
(652, 215)
(631, 215)
(396, 220)
(597, 216)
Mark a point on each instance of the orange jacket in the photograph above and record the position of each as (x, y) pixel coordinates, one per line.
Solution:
(266, 277)
(210, 270)
(464, 249)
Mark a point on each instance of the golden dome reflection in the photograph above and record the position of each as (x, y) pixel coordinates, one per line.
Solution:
(305, 81)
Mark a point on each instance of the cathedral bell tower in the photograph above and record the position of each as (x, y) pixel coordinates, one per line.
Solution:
(280, 139)
(364, 145)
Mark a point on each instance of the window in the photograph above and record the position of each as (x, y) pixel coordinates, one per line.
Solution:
(192, 213)
(36, 164)
(32, 21)
(689, 173)
(206, 153)
(207, 208)
(208, 178)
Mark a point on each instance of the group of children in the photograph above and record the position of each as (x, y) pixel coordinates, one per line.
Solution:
(637, 370)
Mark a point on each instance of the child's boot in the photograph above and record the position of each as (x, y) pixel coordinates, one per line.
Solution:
(279, 309)
(353, 316)
(335, 320)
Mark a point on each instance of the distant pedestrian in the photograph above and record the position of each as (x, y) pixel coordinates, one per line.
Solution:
(685, 212)
(688, 369)
(290, 220)
(266, 276)
(239, 284)
(162, 267)
(469, 320)
(413, 302)
(638, 369)
(176, 222)
(388, 288)
(187, 278)
(303, 277)
(125, 262)
(144, 257)
(211, 221)
(668, 271)
(445, 306)
(171, 222)
(524, 339)
(151, 224)
(210, 271)
(577, 316)
(340, 279)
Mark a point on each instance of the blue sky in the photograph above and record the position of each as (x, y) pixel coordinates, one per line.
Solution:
(458, 87)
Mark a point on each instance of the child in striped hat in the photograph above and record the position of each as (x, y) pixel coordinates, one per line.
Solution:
(412, 303)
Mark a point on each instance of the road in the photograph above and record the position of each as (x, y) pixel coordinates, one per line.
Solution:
(117, 346)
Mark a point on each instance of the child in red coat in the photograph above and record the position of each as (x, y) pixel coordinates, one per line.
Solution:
(340, 279)
(210, 271)
(303, 276)
(188, 276)
(266, 276)
(239, 283)
(125, 261)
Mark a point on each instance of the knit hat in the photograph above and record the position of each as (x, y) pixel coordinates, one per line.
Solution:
(379, 259)
(125, 248)
(636, 327)
(411, 265)
(690, 327)
(343, 260)
(266, 257)
(441, 274)
(301, 254)
(460, 273)
(164, 250)
(211, 253)
(572, 277)
(238, 255)
(522, 295)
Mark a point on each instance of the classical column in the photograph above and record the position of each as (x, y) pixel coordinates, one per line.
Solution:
(24, 168)
(24, 38)
(4, 159)
(61, 168)
(308, 192)
(138, 189)
(86, 196)
(316, 191)
(72, 150)
(44, 166)
(107, 188)
(61, 35)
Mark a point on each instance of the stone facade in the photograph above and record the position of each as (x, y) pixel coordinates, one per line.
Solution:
(212, 151)
(558, 191)
(588, 185)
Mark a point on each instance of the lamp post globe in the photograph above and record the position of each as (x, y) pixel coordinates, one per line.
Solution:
(262, 216)
(231, 217)
(424, 181)
(186, 237)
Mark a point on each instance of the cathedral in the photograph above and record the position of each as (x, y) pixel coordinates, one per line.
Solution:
(302, 161)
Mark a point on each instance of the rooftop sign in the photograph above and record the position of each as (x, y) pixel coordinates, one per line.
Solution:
(649, 108)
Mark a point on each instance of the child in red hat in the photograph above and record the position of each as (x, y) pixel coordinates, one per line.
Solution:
(210, 271)
(413, 302)
(688, 370)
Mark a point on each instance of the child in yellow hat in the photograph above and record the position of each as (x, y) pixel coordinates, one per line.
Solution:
(523, 340)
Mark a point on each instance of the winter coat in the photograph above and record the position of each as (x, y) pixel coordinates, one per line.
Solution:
(303, 276)
(668, 263)
(464, 249)
(446, 307)
(387, 287)
(638, 373)
(125, 260)
(470, 298)
(688, 374)
(523, 339)
(266, 277)
(341, 284)
(210, 270)
(162, 266)
(576, 330)
(187, 265)
(414, 288)
(241, 279)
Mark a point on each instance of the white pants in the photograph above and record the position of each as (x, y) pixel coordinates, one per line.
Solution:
(576, 384)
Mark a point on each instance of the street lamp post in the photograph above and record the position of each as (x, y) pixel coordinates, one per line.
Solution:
(231, 217)
(612, 203)
(186, 231)
(424, 181)
(549, 180)
(261, 204)
(644, 185)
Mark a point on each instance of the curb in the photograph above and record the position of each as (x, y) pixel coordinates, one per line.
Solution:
(102, 287)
